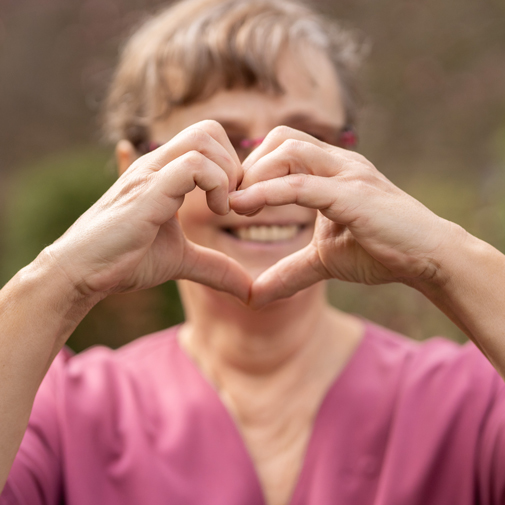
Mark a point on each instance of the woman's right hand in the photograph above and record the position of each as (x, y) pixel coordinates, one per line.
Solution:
(131, 239)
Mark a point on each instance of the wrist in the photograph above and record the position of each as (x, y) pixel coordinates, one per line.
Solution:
(39, 310)
(48, 283)
(463, 273)
(444, 263)
(469, 287)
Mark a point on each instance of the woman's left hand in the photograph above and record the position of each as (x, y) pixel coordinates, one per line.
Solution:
(367, 229)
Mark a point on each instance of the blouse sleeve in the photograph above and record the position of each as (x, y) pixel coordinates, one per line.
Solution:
(36, 475)
(491, 464)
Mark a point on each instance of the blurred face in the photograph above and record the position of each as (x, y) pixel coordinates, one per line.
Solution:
(311, 103)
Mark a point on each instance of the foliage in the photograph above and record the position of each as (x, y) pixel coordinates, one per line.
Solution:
(46, 198)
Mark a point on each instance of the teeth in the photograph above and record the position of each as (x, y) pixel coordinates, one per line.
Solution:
(267, 233)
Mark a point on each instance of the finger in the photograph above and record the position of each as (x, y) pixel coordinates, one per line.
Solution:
(209, 139)
(216, 130)
(279, 282)
(276, 138)
(206, 143)
(294, 157)
(218, 133)
(305, 190)
(184, 174)
(216, 270)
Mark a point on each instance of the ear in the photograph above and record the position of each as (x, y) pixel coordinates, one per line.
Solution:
(126, 154)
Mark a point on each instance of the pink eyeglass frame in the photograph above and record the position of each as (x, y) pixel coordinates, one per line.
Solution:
(348, 140)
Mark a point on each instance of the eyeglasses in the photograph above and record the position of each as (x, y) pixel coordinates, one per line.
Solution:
(345, 138)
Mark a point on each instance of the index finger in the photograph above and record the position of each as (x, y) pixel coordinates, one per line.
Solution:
(207, 137)
(274, 139)
(218, 133)
(294, 157)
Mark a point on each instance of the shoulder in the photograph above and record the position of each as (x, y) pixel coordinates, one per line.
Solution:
(434, 357)
(99, 374)
(436, 375)
(143, 353)
(94, 396)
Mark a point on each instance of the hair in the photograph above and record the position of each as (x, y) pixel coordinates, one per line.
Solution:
(194, 48)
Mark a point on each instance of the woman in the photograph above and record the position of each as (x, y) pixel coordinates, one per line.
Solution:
(266, 394)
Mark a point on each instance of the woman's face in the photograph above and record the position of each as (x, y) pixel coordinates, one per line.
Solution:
(312, 103)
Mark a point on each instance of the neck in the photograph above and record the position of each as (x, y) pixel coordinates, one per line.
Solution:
(271, 369)
(224, 336)
(248, 340)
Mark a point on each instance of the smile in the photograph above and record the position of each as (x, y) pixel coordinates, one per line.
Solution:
(266, 233)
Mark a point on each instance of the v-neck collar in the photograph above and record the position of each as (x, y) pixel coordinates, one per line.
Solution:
(316, 438)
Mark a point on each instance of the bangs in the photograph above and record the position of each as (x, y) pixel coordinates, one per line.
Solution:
(195, 48)
(227, 50)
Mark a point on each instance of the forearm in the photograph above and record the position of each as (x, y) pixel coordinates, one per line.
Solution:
(39, 309)
(470, 289)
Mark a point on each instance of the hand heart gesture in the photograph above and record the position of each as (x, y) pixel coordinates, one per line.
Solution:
(367, 229)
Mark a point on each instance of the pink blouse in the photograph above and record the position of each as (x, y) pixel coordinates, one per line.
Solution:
(404, 423)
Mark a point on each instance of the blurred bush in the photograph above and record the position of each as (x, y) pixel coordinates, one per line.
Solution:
(42, 202)
(46, 198)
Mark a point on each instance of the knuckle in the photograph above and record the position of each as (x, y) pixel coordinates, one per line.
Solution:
(354, 170)
(358, 185)
(280, 132)
(194, 159)
(362, 187)
(297, 181)
(360, 159)
(197, 136)
(359, 170)
(149, 163)
(293, 145)
(146, 162)
(128, 188)
(211, 126)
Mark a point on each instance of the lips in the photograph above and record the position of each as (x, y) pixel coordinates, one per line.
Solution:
(266, 233)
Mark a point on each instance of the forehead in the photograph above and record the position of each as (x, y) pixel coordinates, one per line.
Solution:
(307, 75)
(311, 89)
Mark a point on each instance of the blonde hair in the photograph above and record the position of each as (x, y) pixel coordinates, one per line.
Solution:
(193, 48)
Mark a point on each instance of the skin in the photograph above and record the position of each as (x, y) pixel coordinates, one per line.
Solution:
(274, 346)
(271, 367)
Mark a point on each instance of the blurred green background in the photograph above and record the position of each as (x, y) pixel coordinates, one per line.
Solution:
(433, 121)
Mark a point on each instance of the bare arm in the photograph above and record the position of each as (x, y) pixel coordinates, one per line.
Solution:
(129, 240)
(370, 231)
(469, 287)
(39, 309)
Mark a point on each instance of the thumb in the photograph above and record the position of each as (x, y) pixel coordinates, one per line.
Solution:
(288, 276)
(216, 270)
